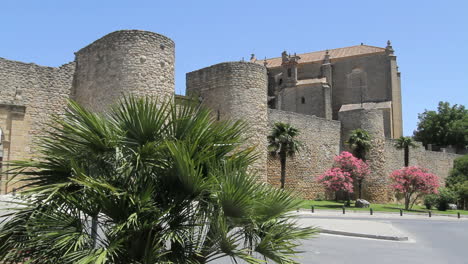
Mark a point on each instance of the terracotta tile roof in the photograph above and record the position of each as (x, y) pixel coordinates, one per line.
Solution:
(334, 54)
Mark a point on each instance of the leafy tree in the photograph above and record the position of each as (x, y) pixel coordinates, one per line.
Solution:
(360, 142)
(405, 143)
(413, 182)
(461, 190)
(357, 168)
(149, 182)
(458, 179)
(459, 173)
(283, 143)
(447, 126)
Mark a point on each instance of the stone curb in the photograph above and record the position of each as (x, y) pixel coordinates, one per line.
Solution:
(376, 213)
(343, 233)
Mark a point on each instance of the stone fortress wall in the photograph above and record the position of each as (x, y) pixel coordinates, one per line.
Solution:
(29, 95)
(126, 61)
(142, 63)
(236, 90)
(321, 143)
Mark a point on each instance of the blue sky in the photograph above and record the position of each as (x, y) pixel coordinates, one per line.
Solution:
(430, 37)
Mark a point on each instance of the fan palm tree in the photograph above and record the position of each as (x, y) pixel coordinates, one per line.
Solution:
(360, 143)
(405, 143)
(283, 143)
(149, 182)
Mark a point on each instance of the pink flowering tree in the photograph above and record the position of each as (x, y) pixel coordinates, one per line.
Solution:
(413, 182)
(357, 168)
(335, 179)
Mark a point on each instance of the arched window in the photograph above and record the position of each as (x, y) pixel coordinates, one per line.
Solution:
(357, 86)
(280, 81)
(289, 72)
(302, 100)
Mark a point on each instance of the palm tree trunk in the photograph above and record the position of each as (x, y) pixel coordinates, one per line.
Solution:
(283, 170)
(406, 156)
(94, 227)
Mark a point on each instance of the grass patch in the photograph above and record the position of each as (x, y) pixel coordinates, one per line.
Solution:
(334, 205)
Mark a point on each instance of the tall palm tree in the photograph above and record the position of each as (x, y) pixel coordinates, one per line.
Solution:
(149, 182)
(405, 143)
(283, 143)
(360, 142)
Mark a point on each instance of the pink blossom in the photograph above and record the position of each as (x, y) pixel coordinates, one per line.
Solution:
(357, 168)
(336, 179)
(414, 179)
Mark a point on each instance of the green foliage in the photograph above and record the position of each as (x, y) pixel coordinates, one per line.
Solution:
(360, 142)
(461, 189)
(445, 197)
(149, 182)
(447, 126)
(282, 142)
(459, 173)
(405, 143)
(431, 200)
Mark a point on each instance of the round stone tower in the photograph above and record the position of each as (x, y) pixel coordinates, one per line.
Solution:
(124, 62)
(375, 186)
(236, 91)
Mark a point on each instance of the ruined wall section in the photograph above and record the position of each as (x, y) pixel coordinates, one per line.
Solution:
(124, 62)
(236, 90)
(29, 95)
(321, 139)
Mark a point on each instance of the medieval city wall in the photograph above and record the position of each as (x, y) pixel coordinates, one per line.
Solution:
(29, 95)
(124, 62)
(321, 139)
(438, 163)
(237, 91)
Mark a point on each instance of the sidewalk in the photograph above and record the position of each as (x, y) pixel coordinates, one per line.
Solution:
(377, 226)
(356, 228)
(366, 214)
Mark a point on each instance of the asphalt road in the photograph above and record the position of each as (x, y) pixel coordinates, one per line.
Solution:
(432, 242)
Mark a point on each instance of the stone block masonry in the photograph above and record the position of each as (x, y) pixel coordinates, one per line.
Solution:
(29, 95)
(123, 62)
(236, 90)
(142, 63)
(321, 141)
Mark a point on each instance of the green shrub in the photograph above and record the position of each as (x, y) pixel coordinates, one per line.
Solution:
(459, 173)
(446, 196)
(320, 197)
(430, 201)
(462, 191)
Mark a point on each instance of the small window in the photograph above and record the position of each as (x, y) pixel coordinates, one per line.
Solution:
(218, 115)
(280, 82)
(289, 72)
(302, 100)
